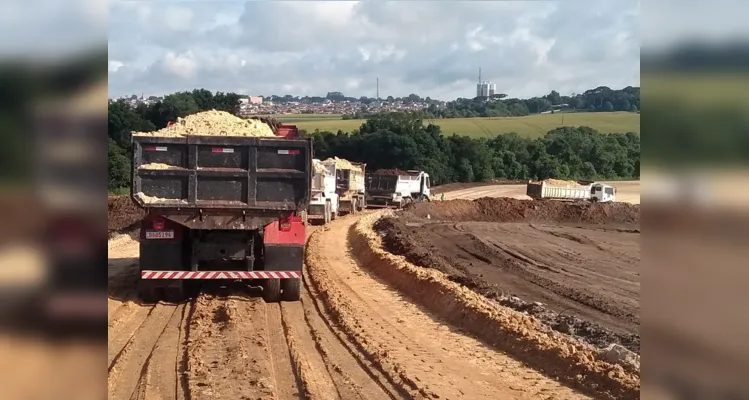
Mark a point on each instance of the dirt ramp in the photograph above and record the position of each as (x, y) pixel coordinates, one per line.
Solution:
(502, 209)
(122, 213)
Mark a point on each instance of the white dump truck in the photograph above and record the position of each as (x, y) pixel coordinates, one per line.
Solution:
(594, 192)
(324, 202)
(349, 184)
(388, 188)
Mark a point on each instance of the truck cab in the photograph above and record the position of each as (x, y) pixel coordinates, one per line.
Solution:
(602, 193)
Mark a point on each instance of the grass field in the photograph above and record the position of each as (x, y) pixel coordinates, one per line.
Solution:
(531, 126)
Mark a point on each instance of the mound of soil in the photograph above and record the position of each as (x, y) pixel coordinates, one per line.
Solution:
(122, 214)
(503, 209)
(487, 259)
(574, 266)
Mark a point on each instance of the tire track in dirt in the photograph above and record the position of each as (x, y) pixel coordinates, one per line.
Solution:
(313, 370)
(127, 363)
(229, 351)
(164, 376)
(420, 353)
(366, 380)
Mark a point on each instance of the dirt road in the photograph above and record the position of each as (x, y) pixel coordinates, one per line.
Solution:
(228, 344)
(351, 337)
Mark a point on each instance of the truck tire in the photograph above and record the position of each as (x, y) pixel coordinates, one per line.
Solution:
(272, 290)
(291, 289)
(361, 204)
(148, 292)
(174, 294)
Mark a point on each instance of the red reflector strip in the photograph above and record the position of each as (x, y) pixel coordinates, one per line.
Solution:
(221, 150)
(288, 151)
(155, 148)
(220, 274)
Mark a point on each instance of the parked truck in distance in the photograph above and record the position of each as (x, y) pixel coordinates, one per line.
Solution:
(349, 185)
(396, 188)
(594, 192)
(222, 208)
(323, 205)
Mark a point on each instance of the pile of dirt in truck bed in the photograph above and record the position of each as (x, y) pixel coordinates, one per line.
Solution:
(122, 213)
(573, 266)
(341, 163)
(213, 123)
(158, 166)
(503, 209)
(558, 182)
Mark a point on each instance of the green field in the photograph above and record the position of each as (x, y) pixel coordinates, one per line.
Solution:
(531, 126)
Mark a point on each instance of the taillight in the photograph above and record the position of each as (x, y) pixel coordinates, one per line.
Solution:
(284, 225)
(158, 224)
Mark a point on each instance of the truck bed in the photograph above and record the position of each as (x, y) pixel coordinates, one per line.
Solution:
(218, 172)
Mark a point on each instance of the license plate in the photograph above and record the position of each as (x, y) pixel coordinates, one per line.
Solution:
(159, 234)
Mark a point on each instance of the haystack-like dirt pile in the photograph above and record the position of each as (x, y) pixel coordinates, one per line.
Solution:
(341, 163)
(213, 123)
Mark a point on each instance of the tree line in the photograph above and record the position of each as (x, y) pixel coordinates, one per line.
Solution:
(402, 140)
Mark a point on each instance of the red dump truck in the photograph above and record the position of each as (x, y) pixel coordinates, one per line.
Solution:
(227, 208)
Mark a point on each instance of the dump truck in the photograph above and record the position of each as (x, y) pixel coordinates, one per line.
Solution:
(594, 192)
(349, 184)
(225, 208)
(324, 203)
(396, 188)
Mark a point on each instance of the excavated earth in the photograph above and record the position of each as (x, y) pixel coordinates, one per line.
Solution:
(366, 328)
(122, 214)
(574, 266)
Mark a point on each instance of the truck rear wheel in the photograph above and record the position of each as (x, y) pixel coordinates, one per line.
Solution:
(174, 294)
(292, 289)
(272, 290)
(148, 292)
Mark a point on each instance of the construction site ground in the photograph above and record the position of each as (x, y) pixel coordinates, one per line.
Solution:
(576, 267)
(357, 333)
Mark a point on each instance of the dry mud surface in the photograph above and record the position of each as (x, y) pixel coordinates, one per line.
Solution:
(354, 335)
(576, 267)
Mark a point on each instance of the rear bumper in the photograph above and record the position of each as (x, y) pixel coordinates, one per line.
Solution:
(216, 275)
(281, 262)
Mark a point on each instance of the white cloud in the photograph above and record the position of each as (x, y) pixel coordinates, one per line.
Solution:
(430, 48)
(180, 65)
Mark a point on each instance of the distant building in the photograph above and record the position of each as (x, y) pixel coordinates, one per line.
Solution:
(485, 89)
(256, 100)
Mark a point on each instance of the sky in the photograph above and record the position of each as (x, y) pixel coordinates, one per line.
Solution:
(431, 48)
